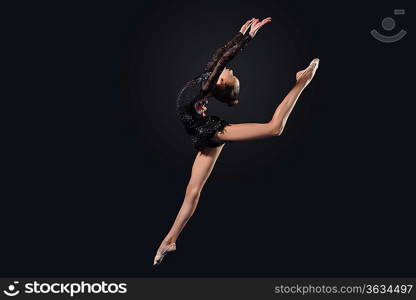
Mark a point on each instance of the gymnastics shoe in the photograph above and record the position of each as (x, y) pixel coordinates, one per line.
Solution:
(305, 76)
(160, 254)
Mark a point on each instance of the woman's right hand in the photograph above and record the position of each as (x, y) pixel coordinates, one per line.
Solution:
(256, 25)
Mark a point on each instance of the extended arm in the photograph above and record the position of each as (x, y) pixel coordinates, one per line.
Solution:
(238, 43)
(220, 51)
(222, 62)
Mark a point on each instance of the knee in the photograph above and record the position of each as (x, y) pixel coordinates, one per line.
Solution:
(275, 129)
(276, 132)
(192, 192)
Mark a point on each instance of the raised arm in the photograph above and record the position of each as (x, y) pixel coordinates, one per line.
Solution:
(222, 62)
(220, 51)
(238, 43)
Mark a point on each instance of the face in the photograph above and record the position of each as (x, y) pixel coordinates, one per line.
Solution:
(227, 77)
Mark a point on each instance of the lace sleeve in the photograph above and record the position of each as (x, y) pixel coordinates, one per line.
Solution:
(223, 60)
(220, 52)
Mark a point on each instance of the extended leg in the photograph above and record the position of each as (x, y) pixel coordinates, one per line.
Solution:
(201, 169)
(250, 131)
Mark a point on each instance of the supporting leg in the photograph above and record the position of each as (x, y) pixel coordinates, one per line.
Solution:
(201, 169)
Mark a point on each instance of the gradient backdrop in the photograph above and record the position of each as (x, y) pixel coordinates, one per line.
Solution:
(97, 163)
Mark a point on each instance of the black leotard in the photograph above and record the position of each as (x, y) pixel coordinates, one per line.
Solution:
(202, 128)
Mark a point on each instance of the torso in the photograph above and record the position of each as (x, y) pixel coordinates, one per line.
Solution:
(191, 97)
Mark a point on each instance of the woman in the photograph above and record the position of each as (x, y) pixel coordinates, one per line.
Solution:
(209, 133)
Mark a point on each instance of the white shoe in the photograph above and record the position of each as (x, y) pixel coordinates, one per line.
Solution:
(161, 254)
(308, 73)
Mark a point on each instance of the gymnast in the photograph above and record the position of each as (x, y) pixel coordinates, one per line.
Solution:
(209, 133)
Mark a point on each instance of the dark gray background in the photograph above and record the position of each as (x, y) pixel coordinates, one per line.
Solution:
(96, 163)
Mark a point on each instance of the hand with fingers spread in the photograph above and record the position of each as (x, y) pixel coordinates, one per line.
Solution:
(256, 25)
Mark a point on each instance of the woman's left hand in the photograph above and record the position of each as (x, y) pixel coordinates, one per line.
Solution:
(246, 26)
(256, 25)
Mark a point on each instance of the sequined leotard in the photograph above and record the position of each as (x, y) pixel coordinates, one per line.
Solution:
(198, 125)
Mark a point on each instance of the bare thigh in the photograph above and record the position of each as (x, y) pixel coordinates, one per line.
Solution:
(203, 164)
(246, 131)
